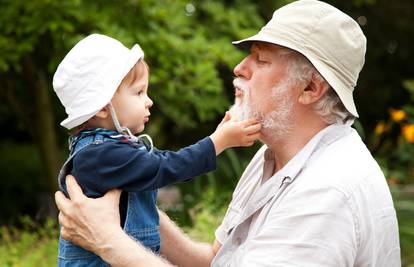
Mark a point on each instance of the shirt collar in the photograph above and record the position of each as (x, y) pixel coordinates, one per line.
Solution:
(323, 138)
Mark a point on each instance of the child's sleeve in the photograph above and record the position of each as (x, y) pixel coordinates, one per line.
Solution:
(102, 167)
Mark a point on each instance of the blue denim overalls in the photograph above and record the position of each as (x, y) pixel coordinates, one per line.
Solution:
(141, 222)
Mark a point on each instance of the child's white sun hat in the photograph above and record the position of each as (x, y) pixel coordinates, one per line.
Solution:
(89, 75)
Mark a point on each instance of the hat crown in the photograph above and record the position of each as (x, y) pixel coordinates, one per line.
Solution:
(327, 32)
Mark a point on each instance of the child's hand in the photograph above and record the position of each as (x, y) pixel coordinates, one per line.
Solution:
(231, 133)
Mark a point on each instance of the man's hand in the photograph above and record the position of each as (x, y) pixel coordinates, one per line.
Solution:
(89, 223)
(232, 133)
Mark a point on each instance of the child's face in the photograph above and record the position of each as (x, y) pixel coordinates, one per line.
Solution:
(131, 101)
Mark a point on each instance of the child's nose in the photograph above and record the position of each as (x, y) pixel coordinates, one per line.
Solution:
(149, 103)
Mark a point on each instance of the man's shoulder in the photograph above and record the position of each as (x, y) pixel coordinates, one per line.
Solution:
(344, 164)
(347, 154)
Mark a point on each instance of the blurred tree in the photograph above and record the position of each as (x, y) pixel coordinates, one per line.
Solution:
(24, 77)
(187, 46)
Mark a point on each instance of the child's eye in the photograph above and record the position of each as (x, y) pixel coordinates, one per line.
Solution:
(140, 92)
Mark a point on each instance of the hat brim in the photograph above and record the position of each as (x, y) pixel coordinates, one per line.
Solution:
(344, 93)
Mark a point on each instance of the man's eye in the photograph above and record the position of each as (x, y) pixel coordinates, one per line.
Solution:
(261, 60)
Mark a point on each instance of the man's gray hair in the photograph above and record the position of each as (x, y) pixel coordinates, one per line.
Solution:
(330, 106)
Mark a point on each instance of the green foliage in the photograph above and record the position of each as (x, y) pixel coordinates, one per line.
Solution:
(32, 246)
(403, 201)
(360, 3)
(206, 216)
(17, 164)
(27, 26)
(182, 48)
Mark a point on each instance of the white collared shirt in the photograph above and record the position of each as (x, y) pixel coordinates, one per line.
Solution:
(328, 206)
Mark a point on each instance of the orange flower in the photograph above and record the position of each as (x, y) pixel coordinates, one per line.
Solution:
(398, 115)
(408, 132)
(380, 128)
(392, 181)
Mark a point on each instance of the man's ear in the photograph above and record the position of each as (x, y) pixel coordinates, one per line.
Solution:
(103, 113)
(314, 91)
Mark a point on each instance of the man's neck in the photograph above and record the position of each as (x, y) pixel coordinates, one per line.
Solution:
(285, 148)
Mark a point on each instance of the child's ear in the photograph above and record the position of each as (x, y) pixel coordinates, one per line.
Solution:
(316, 88)
(103, 113)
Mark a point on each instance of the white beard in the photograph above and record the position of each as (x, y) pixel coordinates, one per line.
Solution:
(275, 124)
(241, 109)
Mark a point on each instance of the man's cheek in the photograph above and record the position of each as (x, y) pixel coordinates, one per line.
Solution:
(257, 109)
(254, 106)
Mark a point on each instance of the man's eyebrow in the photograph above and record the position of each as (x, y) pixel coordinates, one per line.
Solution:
(254, 48)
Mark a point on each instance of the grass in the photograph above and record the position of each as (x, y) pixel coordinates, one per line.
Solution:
(31, 246)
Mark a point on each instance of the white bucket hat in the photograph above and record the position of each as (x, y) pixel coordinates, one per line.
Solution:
(89, 75)
(331, 40)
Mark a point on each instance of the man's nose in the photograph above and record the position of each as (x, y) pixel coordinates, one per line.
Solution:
(242, 70)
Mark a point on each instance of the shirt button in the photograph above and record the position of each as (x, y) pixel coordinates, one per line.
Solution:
(237, 241)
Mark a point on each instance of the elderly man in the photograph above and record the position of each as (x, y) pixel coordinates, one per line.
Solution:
(312, 195)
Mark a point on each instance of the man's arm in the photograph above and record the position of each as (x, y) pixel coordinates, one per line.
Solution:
(179, 249)
(122, 251)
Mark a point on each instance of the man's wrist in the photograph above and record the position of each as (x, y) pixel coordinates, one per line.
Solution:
(121, 250)
(111, 247)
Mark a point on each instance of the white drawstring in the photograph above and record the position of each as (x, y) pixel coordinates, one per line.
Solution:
(125, 130)
(115, 118)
